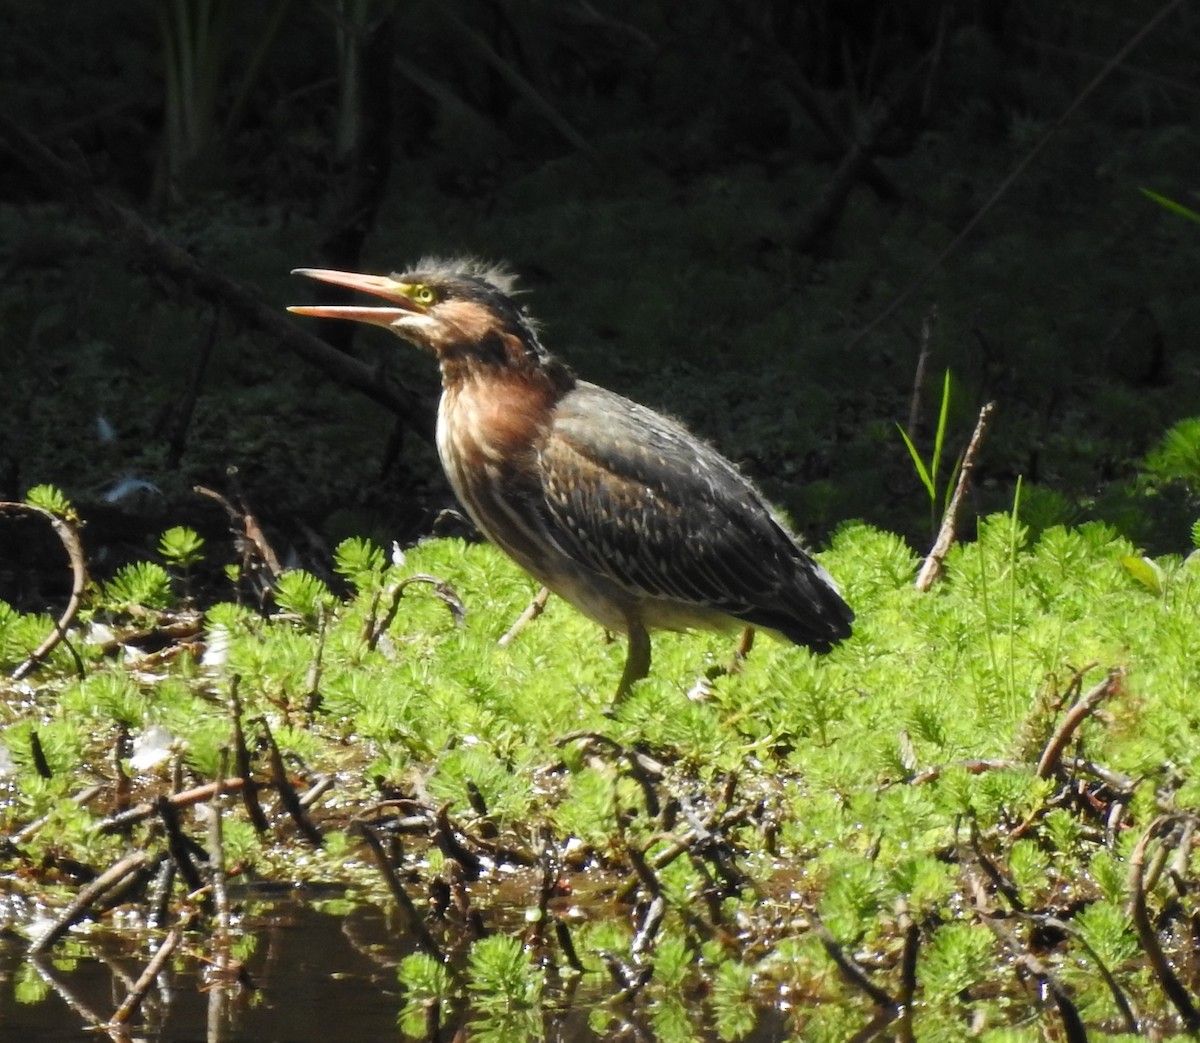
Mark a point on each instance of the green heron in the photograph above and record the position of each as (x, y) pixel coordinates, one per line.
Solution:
(619, 510)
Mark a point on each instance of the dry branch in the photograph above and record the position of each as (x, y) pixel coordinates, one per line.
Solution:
(1175, 990)
(1052, 755)
(850, 967)
(532, 611)
(932, 568)
(413, 920)
(66, 533)
(105, 883)
(140, 812)
(135, 996)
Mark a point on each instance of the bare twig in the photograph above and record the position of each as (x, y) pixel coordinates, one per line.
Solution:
(1052, 755)
(312, 678)
(1074, 1031)
(908, 972)
(180, 846)
(563, 933)
(441, 589)
(850, 967)
(216, 860)
(135, 996)
(82, 798)
(445, 835)
(1073, 1028)
(932, 568)
(972, 767)
(241, 760)
(1171, 985)
(186, 798)
(914, 405)
(109, 880)
(1128, 1014)
(413, 919)
(69, 538)
(534, 609)
(287, 792)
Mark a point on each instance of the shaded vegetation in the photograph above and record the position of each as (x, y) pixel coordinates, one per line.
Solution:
(667, 183)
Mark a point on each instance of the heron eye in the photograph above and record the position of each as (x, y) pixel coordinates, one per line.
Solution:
(424, 295)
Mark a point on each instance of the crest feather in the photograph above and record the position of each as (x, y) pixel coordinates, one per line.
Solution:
(494, 274)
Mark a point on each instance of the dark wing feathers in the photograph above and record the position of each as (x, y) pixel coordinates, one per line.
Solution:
(662, 514)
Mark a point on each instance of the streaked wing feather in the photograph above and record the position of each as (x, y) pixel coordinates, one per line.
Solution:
(663, 515)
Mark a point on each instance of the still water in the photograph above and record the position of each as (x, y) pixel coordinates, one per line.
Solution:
(323, 972)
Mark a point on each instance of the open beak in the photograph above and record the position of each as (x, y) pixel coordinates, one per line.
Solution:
(379, 285)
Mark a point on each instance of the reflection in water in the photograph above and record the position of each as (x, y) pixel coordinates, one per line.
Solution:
(295, 971)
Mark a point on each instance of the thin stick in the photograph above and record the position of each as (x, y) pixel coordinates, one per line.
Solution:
(186, 798)
(1052, 754)
(850, 967)
(908, 972)
(1171, 985)
(25, 832)
(413, 919)
(287, 792)
(216, 858)
(241, 755)
(134, 999)
(932, 568)
(70, 541)
(914, 406)
(106, 881)
(534, 609)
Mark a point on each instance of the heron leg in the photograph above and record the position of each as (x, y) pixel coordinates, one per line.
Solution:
(743, 649)
(734, 666)
(637, 660)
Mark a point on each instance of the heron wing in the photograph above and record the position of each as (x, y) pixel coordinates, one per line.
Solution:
(635, 497)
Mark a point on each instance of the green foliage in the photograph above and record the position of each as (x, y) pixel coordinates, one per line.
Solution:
(140, 586)
(928, 474)
(181, 546)
(1176, 458)
(958, 957)
(1107, 929)
(504, 788)
(112, 695)
(881, 765)
(50, 498)
(426, 984)
(1171, 205)
(506, 991)
(851, 896)
(731, 999)
(361, 562)
(589, 810)
(20, 634)
(303, 594)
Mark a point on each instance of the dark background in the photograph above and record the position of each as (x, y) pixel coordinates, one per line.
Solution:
(712, 205)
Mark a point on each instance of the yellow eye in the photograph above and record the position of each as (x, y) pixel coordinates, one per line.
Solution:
(424, 295)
